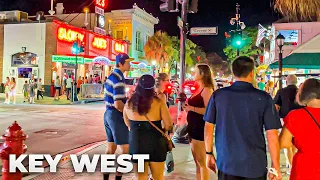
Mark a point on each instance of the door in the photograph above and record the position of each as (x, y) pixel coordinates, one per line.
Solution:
(35, 72)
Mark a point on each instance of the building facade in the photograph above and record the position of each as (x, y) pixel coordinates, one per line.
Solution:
(134, 25)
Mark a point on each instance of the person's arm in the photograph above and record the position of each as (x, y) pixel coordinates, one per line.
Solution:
(277, 101)
(210, 118)
(125, 117)
(119, 95)
(286, 138)
(165, 116)
(206, 94)
(272, 123)
(274, 148)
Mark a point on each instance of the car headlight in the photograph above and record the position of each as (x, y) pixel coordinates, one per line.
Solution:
(127, 89)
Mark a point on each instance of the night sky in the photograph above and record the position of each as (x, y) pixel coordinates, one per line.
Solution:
(210, 13)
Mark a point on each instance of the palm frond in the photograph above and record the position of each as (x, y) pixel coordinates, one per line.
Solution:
(299, 10)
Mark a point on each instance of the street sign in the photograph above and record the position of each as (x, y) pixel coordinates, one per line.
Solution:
(99, 30)
(204, 31)
(180, 22)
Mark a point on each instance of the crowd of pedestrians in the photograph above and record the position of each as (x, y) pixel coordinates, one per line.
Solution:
(31, 88)
(66, 84)
(239, 116)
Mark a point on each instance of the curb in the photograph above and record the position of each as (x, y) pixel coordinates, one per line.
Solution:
(66, 157)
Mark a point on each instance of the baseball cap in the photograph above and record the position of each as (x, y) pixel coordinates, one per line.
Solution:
(122, 58)
(146, 81)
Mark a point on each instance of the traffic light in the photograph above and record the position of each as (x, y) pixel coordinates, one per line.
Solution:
(82, 47)
(193, 6)
(236, 39)
(75, 48)
(168, 5)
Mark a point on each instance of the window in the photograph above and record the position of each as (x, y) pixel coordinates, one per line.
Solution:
(138, 41)
(147, 38)
(119, 34)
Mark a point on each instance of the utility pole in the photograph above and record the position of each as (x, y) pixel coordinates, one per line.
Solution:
(183, 37)
(238, 21)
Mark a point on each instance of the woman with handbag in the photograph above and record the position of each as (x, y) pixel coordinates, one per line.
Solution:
(144, 114)
(302, 129)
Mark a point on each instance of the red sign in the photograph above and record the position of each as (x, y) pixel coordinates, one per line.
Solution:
(99, 43)
(119, 48)
(101, 3)
(69, 35)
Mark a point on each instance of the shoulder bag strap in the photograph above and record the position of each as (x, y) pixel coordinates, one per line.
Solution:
(158, 129)
(314, 119)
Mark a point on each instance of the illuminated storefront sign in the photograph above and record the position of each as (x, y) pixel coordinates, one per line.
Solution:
(119, 48)
(101, 3)
(99, 43)
(70, 59)
(69, 35)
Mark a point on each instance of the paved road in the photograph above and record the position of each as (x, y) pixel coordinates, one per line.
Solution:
(56, 128)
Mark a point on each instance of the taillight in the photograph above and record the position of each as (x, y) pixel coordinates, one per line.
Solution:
(169, 87)
(193, 88)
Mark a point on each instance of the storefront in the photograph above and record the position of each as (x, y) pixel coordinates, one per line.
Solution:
(97, 59)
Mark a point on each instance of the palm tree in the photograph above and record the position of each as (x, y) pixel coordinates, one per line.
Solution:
(159, 47)
(299, 10)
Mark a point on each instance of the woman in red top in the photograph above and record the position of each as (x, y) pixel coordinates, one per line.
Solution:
(302, 130)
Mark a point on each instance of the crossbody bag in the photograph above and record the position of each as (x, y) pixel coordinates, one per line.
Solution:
(314, 119)
(169, 142)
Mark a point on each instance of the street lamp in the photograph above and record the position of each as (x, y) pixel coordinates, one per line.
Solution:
(192, 69)
(280, 41)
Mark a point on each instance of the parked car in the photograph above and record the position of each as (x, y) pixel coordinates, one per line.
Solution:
(131, 84)
(190, 87)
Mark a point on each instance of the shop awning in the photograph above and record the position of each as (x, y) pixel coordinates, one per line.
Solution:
(300, 61)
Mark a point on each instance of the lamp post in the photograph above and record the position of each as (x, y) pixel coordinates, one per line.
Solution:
(280, 41)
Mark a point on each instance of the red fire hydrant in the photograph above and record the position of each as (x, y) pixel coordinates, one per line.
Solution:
(13, 144)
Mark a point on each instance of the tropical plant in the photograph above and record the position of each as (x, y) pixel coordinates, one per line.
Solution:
(250, 49)
(299, 10)
(159, 47)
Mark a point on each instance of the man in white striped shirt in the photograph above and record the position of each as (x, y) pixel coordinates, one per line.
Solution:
(115, 98)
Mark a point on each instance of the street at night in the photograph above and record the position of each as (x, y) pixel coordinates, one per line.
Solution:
(159, 89)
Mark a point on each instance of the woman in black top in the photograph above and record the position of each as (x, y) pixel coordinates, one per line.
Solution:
(142, 107)
(196, 108)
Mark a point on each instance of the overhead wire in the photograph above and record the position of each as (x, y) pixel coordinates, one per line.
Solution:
(78, 7)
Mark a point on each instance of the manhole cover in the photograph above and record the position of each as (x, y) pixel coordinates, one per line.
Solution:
(52, 132)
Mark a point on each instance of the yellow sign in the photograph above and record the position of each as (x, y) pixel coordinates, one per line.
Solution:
(119, 48)
(99, 43)
(69, 35)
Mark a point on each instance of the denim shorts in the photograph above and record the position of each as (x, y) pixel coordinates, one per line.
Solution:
(116, 129)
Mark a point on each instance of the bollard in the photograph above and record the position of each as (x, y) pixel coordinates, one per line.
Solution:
(13, 144)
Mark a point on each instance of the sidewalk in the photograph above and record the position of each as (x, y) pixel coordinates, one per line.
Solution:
(184, 166)
(49, 100)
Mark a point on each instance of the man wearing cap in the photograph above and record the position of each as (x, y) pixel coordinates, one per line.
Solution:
(115, 99)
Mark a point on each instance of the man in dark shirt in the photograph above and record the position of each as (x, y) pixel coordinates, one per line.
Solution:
(285, 101)
(239, 113)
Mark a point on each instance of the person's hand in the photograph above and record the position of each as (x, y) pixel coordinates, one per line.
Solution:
(274, 177)
(188, 108)
(211, 163)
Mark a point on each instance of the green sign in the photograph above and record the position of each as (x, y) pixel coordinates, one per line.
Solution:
(70, 59)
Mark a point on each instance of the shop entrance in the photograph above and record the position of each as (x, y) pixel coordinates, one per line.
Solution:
(24, 66)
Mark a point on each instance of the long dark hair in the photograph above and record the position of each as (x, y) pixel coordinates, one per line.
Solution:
(206, 75)
(142, 98)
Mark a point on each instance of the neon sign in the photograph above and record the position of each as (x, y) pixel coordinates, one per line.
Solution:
(119, 48)
(99, 43)
(69, 35)
(101, 3)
